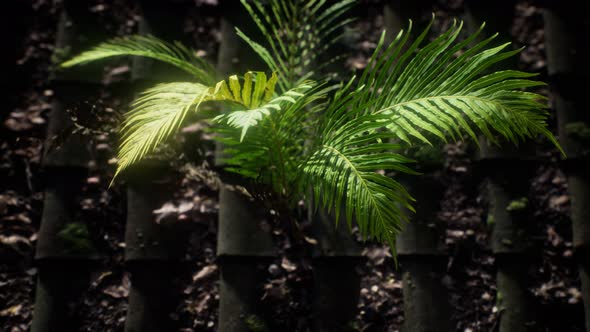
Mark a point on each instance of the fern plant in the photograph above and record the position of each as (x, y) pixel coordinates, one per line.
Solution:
(291, 129)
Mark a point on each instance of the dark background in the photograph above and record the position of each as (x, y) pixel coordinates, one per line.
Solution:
(30, 28)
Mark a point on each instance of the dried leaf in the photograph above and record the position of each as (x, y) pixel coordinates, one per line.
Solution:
(11, 311)
(205, 272)
(287, 265)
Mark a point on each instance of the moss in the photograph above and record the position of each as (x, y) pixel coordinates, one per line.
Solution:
(255, 324)
(60, 55)
(517, 204)
(499, 300)
(507, 242)
(352, 326)
(490, 220)
(76, 238)
(578, 131)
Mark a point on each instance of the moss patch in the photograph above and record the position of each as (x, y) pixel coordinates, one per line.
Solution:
(255, 324)
(490, 220)
(76, 238)
(517, 204)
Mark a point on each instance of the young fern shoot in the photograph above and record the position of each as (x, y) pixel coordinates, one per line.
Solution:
(291, 133)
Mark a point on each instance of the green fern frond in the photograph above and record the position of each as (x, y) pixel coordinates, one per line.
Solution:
(297, 32)
(155, 115)
(275, 146)
(159, 112)
(342, 170)
(174, 54)
(244, 119)
(409, 94)
(438, 94)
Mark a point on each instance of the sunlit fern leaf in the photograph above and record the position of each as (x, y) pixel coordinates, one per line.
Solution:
(155, 115)
(244, 119)
(159, 112)
(174, 54)
(410, 94)
(435, 93)
(273, 149)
